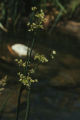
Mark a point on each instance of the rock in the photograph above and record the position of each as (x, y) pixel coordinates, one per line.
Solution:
(70, 61)
(20, 50)
(71, 27)
(68, 78)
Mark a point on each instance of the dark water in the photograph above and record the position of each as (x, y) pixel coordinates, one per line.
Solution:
(57, 94)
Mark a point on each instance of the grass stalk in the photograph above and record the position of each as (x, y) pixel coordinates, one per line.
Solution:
(28, 105)
(19, 100)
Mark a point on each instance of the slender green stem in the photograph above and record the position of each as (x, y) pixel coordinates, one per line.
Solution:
(32, 45)
(18, 105)
(28, 106)
(21, 88)
(28, 96)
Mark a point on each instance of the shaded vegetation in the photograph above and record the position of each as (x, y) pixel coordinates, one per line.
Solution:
(14, 13)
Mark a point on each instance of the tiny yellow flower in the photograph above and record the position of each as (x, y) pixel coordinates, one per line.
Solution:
(54, 52)
(34, 8)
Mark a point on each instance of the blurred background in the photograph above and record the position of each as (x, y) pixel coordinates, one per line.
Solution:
(57, 94)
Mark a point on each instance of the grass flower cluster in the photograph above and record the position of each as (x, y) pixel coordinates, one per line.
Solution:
(40, 58)
(37, 23)
(20, 62)
(3, 83)
(53, 53)
(34, 25)
(26, 77)
(26, 80)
